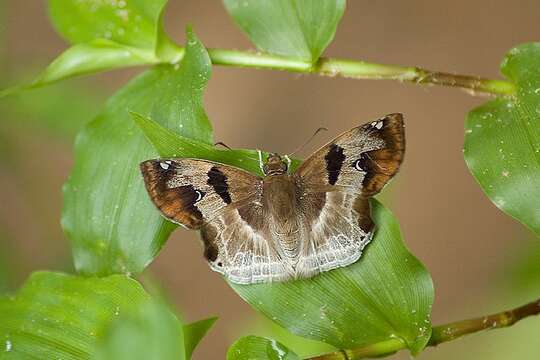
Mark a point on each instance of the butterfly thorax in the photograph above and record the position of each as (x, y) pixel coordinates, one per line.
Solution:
(275, 165)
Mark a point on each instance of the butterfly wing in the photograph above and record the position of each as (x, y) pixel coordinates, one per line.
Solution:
(336, 183)
(223, 202)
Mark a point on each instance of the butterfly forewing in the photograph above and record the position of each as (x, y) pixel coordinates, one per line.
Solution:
(192, 192)
(361, 160)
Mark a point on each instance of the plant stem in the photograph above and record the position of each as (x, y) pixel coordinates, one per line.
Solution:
(439, 334)
(360, 70)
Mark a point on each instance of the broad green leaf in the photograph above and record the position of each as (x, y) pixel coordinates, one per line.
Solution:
(183, 99)
(129, 22)
(40, 109)
(502, 143)
(58, 316)
(149, 332)
(194, 332)
(386, 295)
(113, 226)
(297, 28)
(255, 347)
(106, 35)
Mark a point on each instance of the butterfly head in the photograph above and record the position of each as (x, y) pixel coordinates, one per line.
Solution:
(275, 165)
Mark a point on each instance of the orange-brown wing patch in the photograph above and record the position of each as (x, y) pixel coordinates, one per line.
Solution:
(191, 192)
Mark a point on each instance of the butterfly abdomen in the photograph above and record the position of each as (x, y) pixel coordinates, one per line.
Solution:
(279, 199)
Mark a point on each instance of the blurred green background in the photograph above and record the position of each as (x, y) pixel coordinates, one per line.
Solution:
(481, 261)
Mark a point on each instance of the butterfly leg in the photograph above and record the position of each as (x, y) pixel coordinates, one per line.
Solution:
(289, 162)
(261, 163)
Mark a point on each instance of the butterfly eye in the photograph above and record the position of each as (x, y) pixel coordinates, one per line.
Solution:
(200, 195)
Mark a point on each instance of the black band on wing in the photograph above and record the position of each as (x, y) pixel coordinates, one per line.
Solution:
(334, 161)
(218, 181)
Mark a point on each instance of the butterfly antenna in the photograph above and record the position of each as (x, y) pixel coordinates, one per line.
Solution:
(222, 144)
(308, 140)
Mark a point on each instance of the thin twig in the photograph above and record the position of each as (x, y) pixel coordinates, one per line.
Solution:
(360, 70)
(440, 334)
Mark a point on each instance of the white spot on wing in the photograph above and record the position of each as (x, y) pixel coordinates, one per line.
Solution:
(377, 124)
(165, 164)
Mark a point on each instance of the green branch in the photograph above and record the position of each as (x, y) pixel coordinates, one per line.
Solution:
(360, 70)
(440, 334)
(247, 59)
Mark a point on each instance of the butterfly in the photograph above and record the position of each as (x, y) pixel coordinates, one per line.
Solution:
(285, 225)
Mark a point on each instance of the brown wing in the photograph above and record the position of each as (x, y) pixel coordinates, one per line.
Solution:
(361, 160)
(240, 247)
(339, 178)
(223, 202)
(191, 192)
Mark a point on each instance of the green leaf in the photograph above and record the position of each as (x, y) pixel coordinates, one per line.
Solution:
(150, 332)
(297, 28)
(39, 109)
(58, 316)
(113, 226)
(62, 316)
(194, 332)
(255, 347)
(133, 23)
(386, 295)
(183, 98)
(106, 35)
(169, 144)
(502, 143)
(303, 347)
(95, 56)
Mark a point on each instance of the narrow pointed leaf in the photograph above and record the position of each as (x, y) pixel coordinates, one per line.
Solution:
(95, 56)
(386, 295)
(58, 316)
(113, 226)
(194, 333)
(297, 28)
(255, 347)
(502, 142)
(169, 144)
